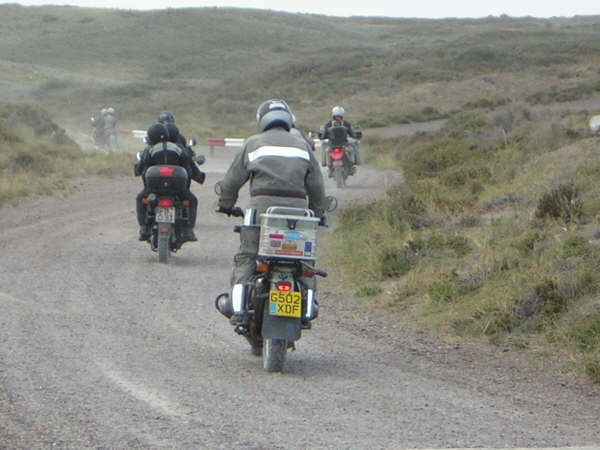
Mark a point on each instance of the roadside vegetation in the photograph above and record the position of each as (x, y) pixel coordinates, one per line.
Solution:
(493, 236)
(37, 156)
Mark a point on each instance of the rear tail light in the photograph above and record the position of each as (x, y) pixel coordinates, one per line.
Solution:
(284, 286)
(166, 171)
(166, 203)
(337, 153)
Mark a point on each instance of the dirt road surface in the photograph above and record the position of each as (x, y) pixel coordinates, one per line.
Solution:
(101, 346)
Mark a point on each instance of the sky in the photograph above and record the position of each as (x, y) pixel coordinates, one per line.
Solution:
(433, 9)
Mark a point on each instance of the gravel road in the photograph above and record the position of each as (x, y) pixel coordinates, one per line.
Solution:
(101, 346)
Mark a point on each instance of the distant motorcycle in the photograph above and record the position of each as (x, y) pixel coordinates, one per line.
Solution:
(166, 211)
(341, 154)
(279, 304)
(104, 137)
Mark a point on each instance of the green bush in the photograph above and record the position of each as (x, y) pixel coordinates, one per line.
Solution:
(592, 367)
(587, 335)
(394, 262)
(459, 244)
(443, 290)
(575, 246)
(561, 203)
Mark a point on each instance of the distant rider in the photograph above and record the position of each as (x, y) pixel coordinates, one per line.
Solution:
(333, 131)
(156, 153)
(282, 171)
(97, 122)
(109, 121)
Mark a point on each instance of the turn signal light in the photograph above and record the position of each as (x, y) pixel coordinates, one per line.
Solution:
(186, 203)
(145, 201)
(262, 268)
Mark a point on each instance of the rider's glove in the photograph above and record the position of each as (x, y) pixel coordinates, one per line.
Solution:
(200, 177)
(323, 221)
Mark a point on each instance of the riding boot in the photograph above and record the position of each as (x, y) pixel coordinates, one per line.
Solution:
(144, 233)
(187, 234)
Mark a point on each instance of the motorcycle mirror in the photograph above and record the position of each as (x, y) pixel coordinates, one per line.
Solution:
(192, 142)
(332, 203)
(218, 188)
(138, 155)
(200, 159)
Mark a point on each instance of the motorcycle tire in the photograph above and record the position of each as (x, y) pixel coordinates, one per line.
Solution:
(273, 352)
(339, 177)
(163, 246)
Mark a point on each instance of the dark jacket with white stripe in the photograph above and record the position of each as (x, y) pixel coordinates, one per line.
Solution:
(277, 164)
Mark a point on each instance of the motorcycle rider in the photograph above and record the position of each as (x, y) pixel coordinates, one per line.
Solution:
(109, 120)
(165, 117)
(162, 133)
(283, 171)
(337, 120)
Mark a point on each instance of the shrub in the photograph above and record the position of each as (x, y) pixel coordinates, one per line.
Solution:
(444, 290)
(369, 291)
(592, 367)
(549, 297)
(561, 203)
(459, 244)
(575, 246)
(587, 336)
(394, 262)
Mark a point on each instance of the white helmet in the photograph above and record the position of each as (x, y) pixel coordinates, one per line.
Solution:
(337, 111)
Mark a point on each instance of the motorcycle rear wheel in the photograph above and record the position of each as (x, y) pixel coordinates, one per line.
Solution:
(273, 352)
(339, 177)
(163, 247)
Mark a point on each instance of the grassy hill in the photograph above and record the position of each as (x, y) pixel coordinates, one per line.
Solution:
(494, 234)
(213, 65)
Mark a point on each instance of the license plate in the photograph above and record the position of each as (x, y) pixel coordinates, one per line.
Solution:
(165, 215)
(285, 304)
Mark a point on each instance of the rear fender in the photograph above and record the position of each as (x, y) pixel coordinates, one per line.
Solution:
(274, 327)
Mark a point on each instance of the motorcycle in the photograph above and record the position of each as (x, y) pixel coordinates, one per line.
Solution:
(104, 137)
(166, 211)
(341, 154)
(277, 305)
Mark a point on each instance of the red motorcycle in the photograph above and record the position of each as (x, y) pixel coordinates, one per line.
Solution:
(341, 166)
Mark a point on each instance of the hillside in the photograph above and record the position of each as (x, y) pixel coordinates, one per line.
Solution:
(214, 65)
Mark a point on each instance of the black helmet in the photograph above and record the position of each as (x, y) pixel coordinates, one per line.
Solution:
(166, 117)
(274, 113)
(160, 132)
